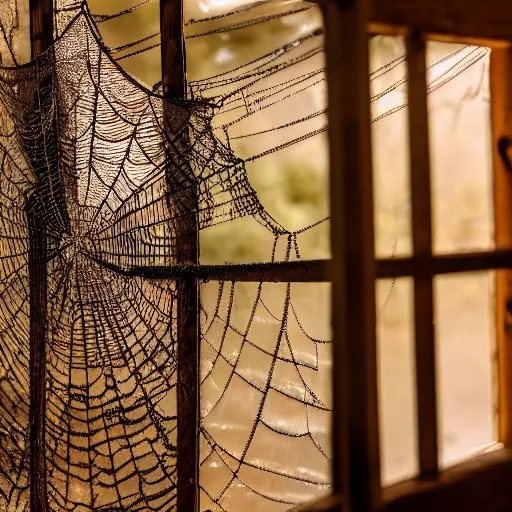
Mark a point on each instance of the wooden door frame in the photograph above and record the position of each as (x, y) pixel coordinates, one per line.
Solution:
(482, 482)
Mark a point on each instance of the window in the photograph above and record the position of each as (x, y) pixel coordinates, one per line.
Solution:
(475, 484)
(179, 402)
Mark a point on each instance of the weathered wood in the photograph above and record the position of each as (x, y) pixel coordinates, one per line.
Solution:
(41, 26)
(356, 469)
(422, 246)
(187, 253)
(38, 326)
(501, 111)
(312, 271)
(318, 271)
(41, 36)
(174, 77)
(481, 483)
(470, 21)
(484, 23)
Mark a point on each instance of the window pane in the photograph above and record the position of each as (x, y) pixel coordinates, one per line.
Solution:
(265, 395)
(460, 143)
(269, 86)
(390, 147)
(397, 396)
(134, 37)
(464, 309)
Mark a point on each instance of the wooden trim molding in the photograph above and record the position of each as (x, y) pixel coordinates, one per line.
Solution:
(501, 115)
(356, 454)
(471, 21)
(313, 271)
(483, 483)
(444, 263)
(419, 155)
(483, 23)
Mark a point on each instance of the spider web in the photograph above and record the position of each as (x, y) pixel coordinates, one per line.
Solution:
(104, 164)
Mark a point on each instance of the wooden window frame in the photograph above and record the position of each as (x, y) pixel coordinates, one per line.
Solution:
(481, 483)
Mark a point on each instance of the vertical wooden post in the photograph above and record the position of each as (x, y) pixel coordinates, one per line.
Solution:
(41, 26)
(422, 246)
(501, 115)
(174, 75)
(41, 37)
(187, 252)
(356, 461)
(38, 294)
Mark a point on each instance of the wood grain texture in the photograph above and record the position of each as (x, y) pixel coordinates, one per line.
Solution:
(501, 111)
(38, 327)
(182, 202)
(422, 247)
(444, 264)
(41, 37)
(480, 484)
(41, 26)
(318, 271)
(356, 467)
(312, 271)
(472, 20)
(174, 76)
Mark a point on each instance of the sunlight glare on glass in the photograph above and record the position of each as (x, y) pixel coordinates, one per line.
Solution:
(214, 5)
(223, 56)
(388, 102)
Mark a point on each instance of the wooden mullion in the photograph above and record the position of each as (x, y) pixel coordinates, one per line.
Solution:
(41, 37)
(422, 247)
(356, 458)
(37, 272)
(278, 272)
(317, 271)
(476, 22)
(187, 253)
(444, 264)
(41, 26)
(470, 21)
(501, 112)
(481, 483)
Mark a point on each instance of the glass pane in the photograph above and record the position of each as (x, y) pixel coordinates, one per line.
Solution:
(15, 33)
(133, 37)
(460, 143)
(265, 395)
(464, 309)
(267, 81)
(111, 381)
(390, 147)
(397, 386)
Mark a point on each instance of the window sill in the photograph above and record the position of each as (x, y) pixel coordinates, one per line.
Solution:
(482, 483)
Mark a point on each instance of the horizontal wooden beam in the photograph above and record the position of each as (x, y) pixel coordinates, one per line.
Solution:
(279, 272)
(444, 264)
(484, 23)
(481, 483)
(318, 271)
